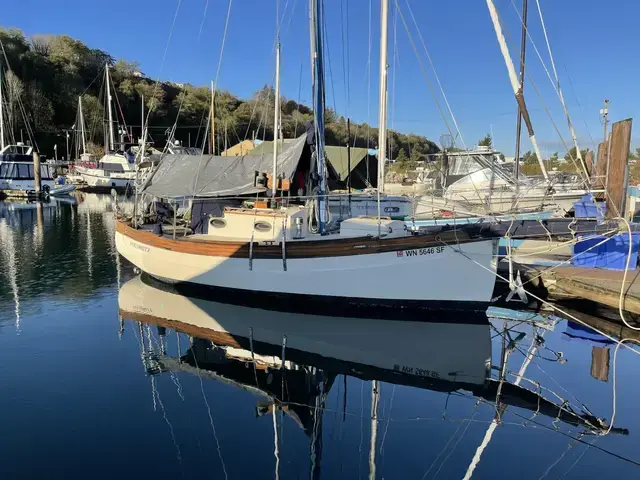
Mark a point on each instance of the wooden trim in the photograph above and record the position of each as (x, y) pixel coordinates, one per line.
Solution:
(339, 247)
(219, 338)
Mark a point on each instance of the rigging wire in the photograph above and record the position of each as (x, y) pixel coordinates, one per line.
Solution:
(555, 86)
(424, 71)
(164, 58)
(213, 93)
(432, 90)
(584, 119)
(213, 428)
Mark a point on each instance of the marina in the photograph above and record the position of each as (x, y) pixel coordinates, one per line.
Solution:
(194, 280)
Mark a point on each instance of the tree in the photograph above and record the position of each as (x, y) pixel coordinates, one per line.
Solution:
(572, 156)
(529, 158)
(402, 158)
(47, 73)
(486, 141)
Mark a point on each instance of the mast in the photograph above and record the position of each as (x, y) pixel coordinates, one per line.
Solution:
(523, 51)
(144, 135)
(82, 134)
(276, 121)
(382, 119)
(111, 137)
(1, 113)
(513, 78)
(317, 68)
(375, 400)
(213, 124)
(496, 420)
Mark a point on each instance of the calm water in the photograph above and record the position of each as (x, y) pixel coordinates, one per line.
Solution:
(105, 375)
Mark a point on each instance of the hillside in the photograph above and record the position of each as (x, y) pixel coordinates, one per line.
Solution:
(46, 74)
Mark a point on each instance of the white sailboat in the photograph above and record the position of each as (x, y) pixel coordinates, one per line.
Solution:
(271, 256)
(116, 169)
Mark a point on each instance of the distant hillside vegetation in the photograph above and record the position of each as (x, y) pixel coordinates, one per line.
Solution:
(47, 73)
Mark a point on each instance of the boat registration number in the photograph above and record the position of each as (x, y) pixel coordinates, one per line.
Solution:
(420, 251)
(420, 372)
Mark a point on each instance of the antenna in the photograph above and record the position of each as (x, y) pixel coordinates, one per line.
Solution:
(605, 113)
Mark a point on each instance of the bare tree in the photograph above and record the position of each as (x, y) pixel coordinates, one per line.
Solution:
(41, 44)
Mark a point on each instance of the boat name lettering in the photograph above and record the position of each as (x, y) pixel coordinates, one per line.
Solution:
(142, 248)
(420, 372)
(140, 309)
(420, 251)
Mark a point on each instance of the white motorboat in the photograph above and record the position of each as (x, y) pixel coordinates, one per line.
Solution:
(17, 172)
(114, 170)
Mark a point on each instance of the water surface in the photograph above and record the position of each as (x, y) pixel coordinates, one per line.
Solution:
(105, 375)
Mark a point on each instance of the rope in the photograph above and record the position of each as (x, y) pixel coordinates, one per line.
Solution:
(541, 300)
(624, 279)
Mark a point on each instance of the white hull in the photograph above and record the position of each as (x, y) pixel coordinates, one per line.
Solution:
(98, 178)
(60, 190)
(432, 275)
(24, 185)
(448, 352)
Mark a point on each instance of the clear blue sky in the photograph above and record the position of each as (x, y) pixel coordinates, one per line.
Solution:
(600, 57)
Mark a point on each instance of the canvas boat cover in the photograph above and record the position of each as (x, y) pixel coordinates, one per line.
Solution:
(218, 176)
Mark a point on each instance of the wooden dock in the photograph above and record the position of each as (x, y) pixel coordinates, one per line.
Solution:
(592, 295)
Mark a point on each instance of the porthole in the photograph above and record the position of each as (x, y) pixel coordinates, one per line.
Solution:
(217, 223)
(262, 226)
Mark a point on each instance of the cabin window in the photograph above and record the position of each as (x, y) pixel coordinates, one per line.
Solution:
(112, 167)
(23, 171)
(46, 172)
(217, 223)
(6, 170)
(262, 226)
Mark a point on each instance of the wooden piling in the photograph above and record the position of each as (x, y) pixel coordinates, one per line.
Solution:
(589, 162)
(600, 363)
(36, 173)
(600, 173)
(617, 171)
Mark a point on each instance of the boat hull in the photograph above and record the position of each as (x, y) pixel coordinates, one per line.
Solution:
(443, 278)
(96, 179)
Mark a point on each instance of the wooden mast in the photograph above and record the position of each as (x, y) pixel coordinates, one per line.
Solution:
(523, 51)
(317, 69)
(513, 78)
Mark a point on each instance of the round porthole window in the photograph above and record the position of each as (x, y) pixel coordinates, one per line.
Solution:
(262, 226)
(217, 223)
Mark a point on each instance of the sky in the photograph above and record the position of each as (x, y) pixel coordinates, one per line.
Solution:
(594, 43)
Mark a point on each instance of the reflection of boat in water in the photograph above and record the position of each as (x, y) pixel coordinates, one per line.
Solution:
(428, 355)
(28, 213)
(423, 350)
